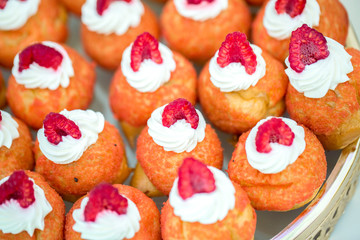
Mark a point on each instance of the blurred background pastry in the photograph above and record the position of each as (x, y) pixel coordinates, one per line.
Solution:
(196, 29)
(25, 22)
(49, 77)
(113, 25)
(273, 24)
(30, 208)
(16, 144)
(73, 6)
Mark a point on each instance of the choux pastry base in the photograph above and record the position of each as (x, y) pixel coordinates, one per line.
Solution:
(130, 132)
(124, 173)
(142, 182)
(347, 133)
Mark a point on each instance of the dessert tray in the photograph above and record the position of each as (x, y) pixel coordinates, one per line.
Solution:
(314, 221)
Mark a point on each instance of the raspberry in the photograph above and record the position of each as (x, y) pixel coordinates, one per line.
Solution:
(102, 5)
(194, 177)
(292, 7)
(180, 109)
(18, 187)
(236, 48)
(56, 126)
(274, 130)
(144, 47)
(104, 197)
(43, 55)
(307, 46)
(196, 2)
(0, 116)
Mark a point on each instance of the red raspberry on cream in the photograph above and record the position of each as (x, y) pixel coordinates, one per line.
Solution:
(145, 47)
(65, 136)
(23, 205)
(18, 187)
(274, 143)
(43, 55)
(56, 126)
(104, 197)
(316, 64)
(44, 65)
(194, 177)
(106, 214)
(177, 126)
(237, 65)
(274, 130)
(292, 7)
(236, 48)
(147, 64)
(180, 109)
(201, 193)
(307, 46)
(284, 16)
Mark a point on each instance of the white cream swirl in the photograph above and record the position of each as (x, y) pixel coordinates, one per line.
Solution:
(280, 155)
(70, 149)
(15, 219)
(234, 77)
(16, 13)
(37, 76)
(206, 208)
(150, 75)
(8, 130)
(325, 74)
(180, 136)
(108, 224)
(280, 26)
(117, 18)
(202, 11)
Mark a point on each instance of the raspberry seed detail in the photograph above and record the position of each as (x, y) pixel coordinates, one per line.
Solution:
(236, 48)
(18, 187)
(180, 109)
(56, 126)
(144, 47)
(104, 197)
(274, 130)
(194, 177)
(41, 54)
(307, 46)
